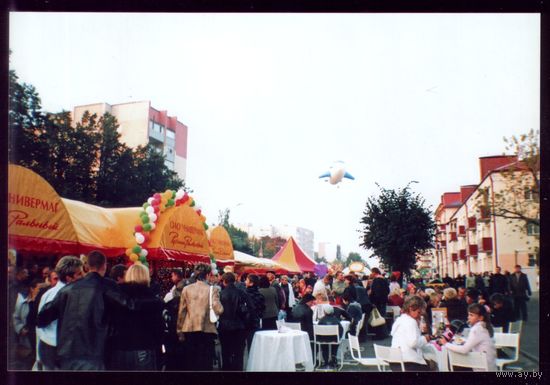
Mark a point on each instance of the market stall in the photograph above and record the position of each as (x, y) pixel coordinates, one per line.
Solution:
(293, 258)
(221, 246)
(40, 223)
(245, 263)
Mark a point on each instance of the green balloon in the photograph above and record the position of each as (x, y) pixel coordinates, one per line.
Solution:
(205, 226)
(143, 259)
(192, 204)
(136, 249)
(173, 194)
(170, 202)
(147, 226)
(144, 214)
(145, 205)
(145, 219)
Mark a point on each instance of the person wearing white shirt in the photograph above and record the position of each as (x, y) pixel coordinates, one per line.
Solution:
(322, 286)
(69, 269)
(480, 338)
(406, 335)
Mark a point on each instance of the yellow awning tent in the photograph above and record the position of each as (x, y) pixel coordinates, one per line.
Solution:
(42, 223)
(221, 246)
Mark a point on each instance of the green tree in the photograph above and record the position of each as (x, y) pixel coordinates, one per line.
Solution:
(353, 257)
(397, 225)
(272, 245)
(318, 259)
(27, 144)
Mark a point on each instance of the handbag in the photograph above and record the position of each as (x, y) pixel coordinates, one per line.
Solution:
(213, 316)
(375, 319)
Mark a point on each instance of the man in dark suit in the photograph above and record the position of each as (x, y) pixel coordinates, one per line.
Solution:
(519, 286)
(499, 283)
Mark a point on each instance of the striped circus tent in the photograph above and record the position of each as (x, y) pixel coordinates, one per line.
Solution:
(293, 258)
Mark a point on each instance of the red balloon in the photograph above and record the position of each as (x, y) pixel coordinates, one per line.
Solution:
(146, 238)
(156, 208)
(185, 198)
(138, 228)
(156, 196)
(155, 202)
(199, 212)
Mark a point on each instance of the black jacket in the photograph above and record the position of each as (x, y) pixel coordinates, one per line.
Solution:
(363, 298)
(233, 300)
(379, 292)
(456, 309)
(137, 330)
(350, 292)
(519, 287)
(330, 320)
(80, 308)
(499, 284)
(355, 312)
(303, 314)
(258, 301)
(501, 317)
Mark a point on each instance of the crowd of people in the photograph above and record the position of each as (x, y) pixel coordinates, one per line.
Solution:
(81, 315)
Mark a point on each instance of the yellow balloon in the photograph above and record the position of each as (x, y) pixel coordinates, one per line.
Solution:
(128, 252)
(203, 218)
(134, 257)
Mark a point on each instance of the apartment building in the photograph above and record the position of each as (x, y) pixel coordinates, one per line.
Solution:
(141, 124)
(471, 238)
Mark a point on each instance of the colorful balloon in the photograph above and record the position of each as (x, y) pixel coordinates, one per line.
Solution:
(153, 217)
(143, 253)
(133, 257)
(138, 229)
(136, 249)
(148, 226)
(139, 238)
(150, 210)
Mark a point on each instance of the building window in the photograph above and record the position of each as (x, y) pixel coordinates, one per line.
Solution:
(532, 260)
(529, 195)
(533, 229)
(170, 134)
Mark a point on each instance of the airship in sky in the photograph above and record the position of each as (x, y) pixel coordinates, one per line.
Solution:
(336, 173)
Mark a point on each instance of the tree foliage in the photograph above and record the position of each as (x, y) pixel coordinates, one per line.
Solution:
(82, 160)
(397, 225)
(353, 257)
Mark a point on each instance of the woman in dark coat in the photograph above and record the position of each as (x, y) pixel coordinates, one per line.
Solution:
(136, 335)
(258, 301)
(271, 300)
(456, 309)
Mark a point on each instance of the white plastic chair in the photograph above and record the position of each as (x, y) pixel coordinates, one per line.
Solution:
(386, 355)
(507, 340)
(395, 310)
(515, 327)
(327, 331)
(355, 350)
(498, 329)
(474, 360)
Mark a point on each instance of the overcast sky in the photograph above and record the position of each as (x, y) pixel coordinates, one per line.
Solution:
(271, 100)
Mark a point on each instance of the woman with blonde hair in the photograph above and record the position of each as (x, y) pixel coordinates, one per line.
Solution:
(136, 335)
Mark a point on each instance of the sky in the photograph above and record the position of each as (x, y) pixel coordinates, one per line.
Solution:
(272, 100)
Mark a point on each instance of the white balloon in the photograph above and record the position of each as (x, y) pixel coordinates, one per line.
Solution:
(139, 238)
(196, 207)
(152, 217)
(180, 194)
(150, 210)
(143, 253)
(152, 225)
(150, 200)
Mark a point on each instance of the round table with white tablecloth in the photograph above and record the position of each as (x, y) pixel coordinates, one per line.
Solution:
(274, 351)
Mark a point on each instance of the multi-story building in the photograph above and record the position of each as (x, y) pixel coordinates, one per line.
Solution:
(141, 124)
(304, 237)
(472, 238)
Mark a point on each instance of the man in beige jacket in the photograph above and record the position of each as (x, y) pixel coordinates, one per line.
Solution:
(194, 326)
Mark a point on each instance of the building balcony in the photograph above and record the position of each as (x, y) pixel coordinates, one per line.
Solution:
(486, 244)
(462, 254)
(462, 231)
(443, 244)
(484, 213)
(452, 236)
(472, 250)
(454, 257)
(472, 223)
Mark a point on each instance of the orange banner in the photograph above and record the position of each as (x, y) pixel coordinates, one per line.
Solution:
(220, 244)
(35, 211)
(182, 231)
